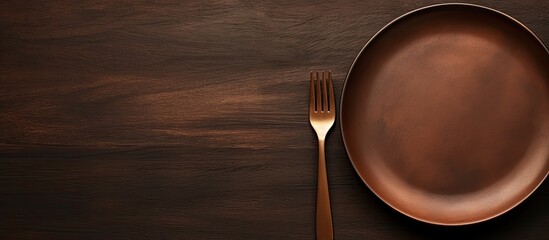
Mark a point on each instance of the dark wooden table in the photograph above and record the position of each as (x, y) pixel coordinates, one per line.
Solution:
(188, 120)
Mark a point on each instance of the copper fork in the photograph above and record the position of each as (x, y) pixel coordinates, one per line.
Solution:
(322, 113)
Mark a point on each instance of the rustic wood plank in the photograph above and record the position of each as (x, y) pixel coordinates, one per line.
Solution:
(187, 120)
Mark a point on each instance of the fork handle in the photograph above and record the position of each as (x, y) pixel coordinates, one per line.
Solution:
(324, 227)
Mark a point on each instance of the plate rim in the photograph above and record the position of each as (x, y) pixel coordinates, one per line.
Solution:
(340, 118)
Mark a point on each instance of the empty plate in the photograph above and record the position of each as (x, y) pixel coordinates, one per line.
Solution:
(445, 114)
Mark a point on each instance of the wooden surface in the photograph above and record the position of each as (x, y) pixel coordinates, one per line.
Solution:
(188, 120)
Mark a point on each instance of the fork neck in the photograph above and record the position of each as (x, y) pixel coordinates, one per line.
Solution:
(321, 138)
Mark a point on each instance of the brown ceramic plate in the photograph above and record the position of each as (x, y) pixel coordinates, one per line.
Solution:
(445, 114)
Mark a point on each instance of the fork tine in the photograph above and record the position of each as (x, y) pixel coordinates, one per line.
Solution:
(324, 92)
(318, 95)
(312, 95)
(331, 106)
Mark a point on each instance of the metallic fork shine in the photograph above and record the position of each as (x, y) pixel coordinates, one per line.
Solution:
(322, 117)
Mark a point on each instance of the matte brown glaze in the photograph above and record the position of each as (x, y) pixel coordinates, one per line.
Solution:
(445, 114)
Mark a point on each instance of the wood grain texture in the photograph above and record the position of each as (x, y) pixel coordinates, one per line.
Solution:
(188, 120)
